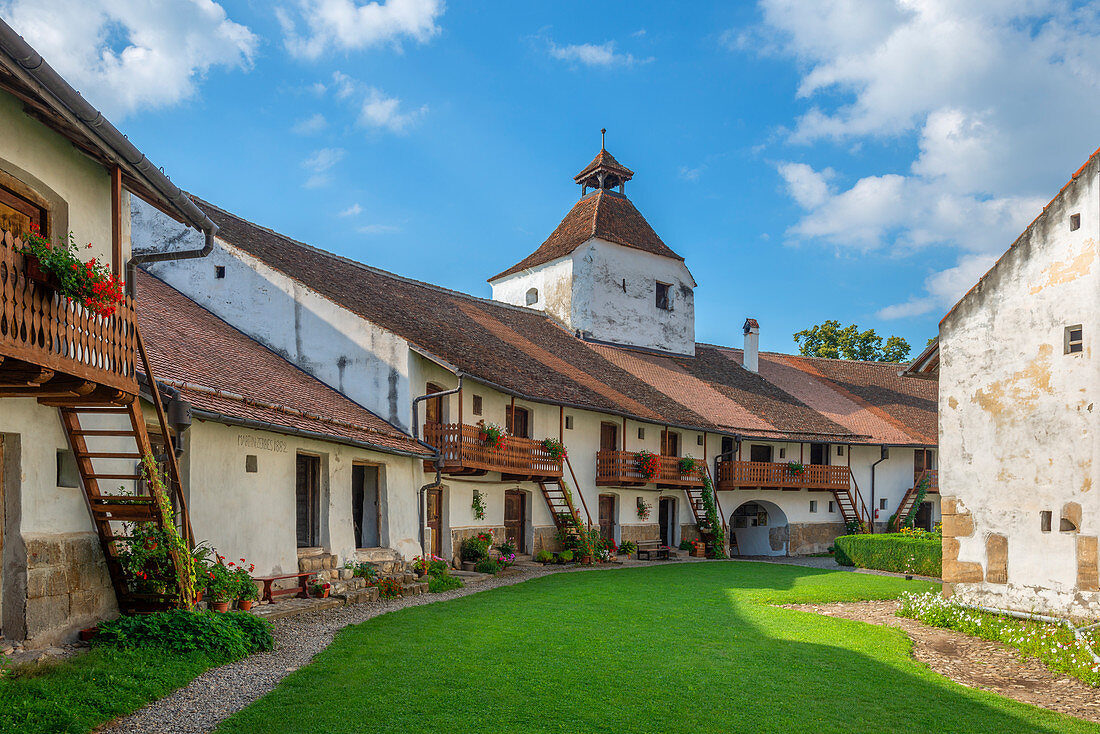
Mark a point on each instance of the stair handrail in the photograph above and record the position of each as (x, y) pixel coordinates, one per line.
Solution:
(173, 464)
(717, 503)
(579, 492)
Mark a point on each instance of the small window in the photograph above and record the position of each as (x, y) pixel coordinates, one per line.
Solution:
(1075, 341)
(477, 405)
(839, 450)
(624, 285)
(67, 474)
(251, 463)
(832, 507)
(1044, 520)
(19, 215)
(813, 505)
(532, 296)
(782, 453)
(699, 440)
(1065, 525)
(882, 504)
(641, 433)
(569, 423)
(662, 296)
(1074, 222)
(219, 272)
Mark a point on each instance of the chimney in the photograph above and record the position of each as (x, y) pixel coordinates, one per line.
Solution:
(752, 345)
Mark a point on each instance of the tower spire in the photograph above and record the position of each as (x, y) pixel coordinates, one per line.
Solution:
(603, 133)
(604, 172)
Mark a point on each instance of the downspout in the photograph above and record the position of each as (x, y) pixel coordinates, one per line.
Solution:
(437, 460)
(44, 75)
(885, 455)
(1078, 632)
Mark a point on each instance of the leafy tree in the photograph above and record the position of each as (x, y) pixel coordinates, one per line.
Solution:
(832, 341)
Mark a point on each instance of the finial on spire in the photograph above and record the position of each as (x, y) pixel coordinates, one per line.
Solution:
(603, 132)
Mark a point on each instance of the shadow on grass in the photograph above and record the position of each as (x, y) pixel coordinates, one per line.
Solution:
(677, 648)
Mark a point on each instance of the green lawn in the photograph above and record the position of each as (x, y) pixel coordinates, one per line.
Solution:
(678, 648)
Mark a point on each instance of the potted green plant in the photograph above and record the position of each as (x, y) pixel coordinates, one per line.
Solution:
(222, 586)
(644, 509)
(555, 448)
(648, 464)
(247, 591)
(319, 587)
(795, 468)
(688, 465)
(474, 549)
(494, 436)
(58, 267)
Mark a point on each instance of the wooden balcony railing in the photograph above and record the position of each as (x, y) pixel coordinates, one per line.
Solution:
(748, 474)
(50, 345)
(620, 469)
(466, 452)
(933, 477)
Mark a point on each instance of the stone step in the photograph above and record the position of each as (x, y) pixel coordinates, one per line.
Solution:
(414, 589)
(359, 596)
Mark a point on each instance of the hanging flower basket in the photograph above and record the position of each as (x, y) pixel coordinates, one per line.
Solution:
(39, 275)
(648, 464)
(494, 436)
(57, 266)
(795, 469)
(644, 509)
(555, 448)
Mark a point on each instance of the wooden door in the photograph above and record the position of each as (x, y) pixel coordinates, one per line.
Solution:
(607, 516)
(520, 422)
(609, 437)
(307, 499)
(670, 443)
(819, 454)
(434, 511)
(922, 460)
(923, 520)
(515, 514)
(760, 452)
(433, 407)
(364, 506)
(666, 514)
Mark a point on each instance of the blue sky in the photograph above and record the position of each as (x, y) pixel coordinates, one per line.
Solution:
(810, 160)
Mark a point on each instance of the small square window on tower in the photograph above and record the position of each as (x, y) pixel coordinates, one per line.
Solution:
(219, 272)
(1075, 341)
(1074, 222)
(477, 405)
(662, 296)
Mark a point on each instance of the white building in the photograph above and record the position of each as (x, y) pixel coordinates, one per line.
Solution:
(1018, 388)
(585, 362)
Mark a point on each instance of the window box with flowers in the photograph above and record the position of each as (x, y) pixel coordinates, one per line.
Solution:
(648, 464)
(555, 448)
(57, 267)
(493, 436)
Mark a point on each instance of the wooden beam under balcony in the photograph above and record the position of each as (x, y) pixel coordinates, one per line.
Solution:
(621, 469)
(781, 475)
(466, 452)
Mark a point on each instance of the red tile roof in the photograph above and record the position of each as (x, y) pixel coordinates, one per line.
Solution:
(601, 213)
(221, 371)
(522, 351)
(607, 162)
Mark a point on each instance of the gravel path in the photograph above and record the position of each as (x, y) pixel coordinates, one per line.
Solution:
(974, 662)
(220, 692)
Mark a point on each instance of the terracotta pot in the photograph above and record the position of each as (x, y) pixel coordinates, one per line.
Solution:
(245, 604)
(219, 606)
(468, 565)
(198, 595)
(586, 560)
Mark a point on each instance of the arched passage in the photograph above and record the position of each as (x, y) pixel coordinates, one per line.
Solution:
(760, 528)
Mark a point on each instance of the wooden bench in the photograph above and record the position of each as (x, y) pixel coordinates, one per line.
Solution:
(301, 590)
(651, 549)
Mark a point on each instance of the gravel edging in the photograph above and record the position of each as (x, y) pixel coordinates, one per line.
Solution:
(221, 692)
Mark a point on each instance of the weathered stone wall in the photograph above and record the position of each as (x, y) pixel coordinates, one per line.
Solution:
(634, 533)
(1018, 448)
(459, 535)
(68, 587)
(813, 537)
(546, 538)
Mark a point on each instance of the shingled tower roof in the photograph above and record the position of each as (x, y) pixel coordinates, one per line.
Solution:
(602, 213)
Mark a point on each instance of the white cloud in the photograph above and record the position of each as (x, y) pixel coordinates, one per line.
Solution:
(313, 27)
(318, 165)
(352, 211)
(379, 229)
(311, 125)
(128, 55)
(385, 112)
(997, 99)
(591, 54)
(690, 174)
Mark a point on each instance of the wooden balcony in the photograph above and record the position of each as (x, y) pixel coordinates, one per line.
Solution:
(464, 451)
(55, 349)
(775, 475)
(620, 469)
(933, 477)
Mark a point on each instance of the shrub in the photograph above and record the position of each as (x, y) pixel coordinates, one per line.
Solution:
(566, 556)
(890, 552)
(685, 545)
(230, 635)
(443, 582)
(487, 565)
(474, 549)
(628, 548)
(544, 556)
(388, 588)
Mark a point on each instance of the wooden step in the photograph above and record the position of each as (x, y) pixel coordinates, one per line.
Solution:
(102, 433)
(108, 455)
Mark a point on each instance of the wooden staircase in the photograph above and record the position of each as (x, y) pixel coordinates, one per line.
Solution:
(852, 508)
(910, 499)
(109, 440)
(699, 511)
(559, 501)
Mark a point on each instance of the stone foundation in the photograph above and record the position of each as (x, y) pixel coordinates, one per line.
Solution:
(68, 587)
(813, 537)
(457, 536)
(634, 533)
(545, 538)
(689, 532)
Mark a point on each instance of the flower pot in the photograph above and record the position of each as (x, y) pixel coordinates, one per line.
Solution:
(198, 595)
(468, 565)
(586, 560)
(219, 606)
(698, 552)
(36, 273)
(245, 604)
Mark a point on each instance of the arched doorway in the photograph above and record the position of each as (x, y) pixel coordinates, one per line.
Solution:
(760, 528)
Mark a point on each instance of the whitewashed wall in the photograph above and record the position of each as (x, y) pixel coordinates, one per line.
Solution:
(1018, 415)
(553, 281)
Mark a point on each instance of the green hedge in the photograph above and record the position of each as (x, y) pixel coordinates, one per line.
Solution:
(891, 552)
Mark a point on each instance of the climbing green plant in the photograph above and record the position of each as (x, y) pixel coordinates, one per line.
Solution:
(711, 508)
(922, 491)
(178, 550)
